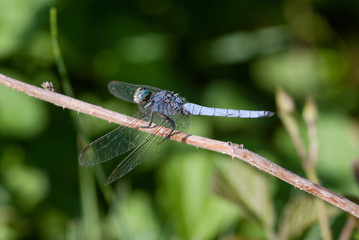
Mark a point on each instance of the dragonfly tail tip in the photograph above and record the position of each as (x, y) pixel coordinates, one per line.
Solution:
(270, 114)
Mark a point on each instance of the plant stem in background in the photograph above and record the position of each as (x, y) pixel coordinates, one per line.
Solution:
(286, 107)
(90, 211)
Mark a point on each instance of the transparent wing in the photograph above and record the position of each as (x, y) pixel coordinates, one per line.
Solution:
(150, 145)
(125, 91)
(113, 144)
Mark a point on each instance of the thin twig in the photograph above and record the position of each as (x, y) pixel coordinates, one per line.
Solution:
(348, 228)
(227, 148)
(310, 116)
(286, 108)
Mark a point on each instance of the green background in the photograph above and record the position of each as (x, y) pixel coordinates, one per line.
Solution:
(229, 54)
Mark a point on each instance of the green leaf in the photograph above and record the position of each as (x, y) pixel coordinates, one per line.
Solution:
(28, 185)
(247, 188)
(299, 215)
(132, 217)
(17, 17)
(185, 195)
(20, 115)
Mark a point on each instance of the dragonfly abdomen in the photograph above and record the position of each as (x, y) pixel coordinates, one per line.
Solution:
(194, 109)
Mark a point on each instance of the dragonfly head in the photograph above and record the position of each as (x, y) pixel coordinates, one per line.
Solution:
(141, 95)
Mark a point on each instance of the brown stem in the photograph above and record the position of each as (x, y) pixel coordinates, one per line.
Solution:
(233, 150)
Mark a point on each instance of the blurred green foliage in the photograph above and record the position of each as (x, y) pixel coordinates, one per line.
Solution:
(231, 54)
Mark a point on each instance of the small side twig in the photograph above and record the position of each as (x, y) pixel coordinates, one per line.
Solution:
(230, 149)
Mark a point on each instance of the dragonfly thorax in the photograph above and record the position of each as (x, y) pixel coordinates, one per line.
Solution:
(167, 103)
(142, 95)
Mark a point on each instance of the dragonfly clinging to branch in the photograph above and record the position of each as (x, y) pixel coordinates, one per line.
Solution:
(157, 106)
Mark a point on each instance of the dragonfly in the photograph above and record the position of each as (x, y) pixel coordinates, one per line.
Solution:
(158, 107)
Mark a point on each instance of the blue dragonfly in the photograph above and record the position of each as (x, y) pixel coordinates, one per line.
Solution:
(158, 107)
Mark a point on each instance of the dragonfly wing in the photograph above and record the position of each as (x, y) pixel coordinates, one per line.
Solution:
(125, 91)
(182, 122)
(113, 144)
(150, 146)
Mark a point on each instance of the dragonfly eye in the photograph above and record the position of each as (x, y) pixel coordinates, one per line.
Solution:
(141, 95)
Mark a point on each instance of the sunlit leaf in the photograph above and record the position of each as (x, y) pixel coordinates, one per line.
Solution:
(296, 71)
(185, 194)
(132, 216)
(247, 188)
(300, 213)
(16, 18)
(298, 216)
(29, 185)
(20, 115)
(337, 148)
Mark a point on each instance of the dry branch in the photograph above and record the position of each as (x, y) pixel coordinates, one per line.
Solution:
(233, 150)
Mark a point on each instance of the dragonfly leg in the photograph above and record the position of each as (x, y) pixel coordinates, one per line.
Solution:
(149, 122)
(171, 123)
